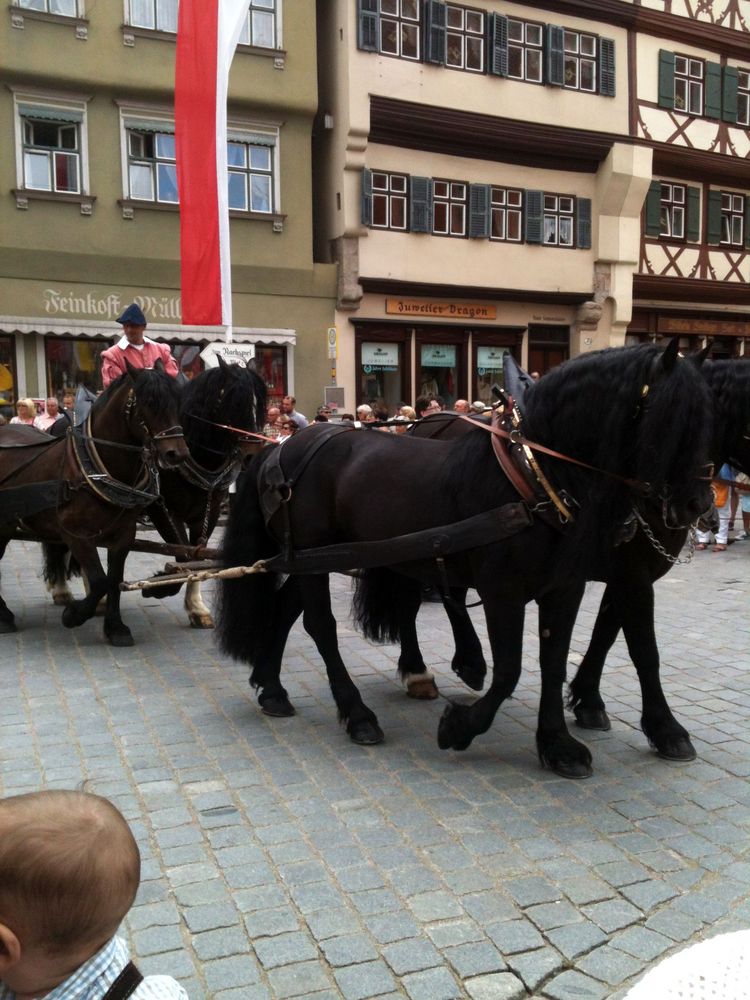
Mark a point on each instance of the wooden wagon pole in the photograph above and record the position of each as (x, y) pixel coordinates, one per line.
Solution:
(231, 573)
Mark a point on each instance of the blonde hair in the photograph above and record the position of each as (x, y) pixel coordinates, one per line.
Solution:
(408, 412)
(28, 403)
(69, 869)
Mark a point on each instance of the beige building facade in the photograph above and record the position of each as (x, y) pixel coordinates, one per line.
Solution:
(498, 176)
(90, 221)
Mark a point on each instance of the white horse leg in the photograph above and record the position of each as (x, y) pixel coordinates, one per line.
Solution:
(60, 591)
(198, 614)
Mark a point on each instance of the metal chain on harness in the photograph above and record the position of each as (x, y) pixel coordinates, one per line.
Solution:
(656, 544)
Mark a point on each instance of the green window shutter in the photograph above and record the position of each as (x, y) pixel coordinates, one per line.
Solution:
(534, 200)
(729, 95)
(583, 224)
(498, 45)
(369, 25)
(747, 222)
(713, 228)
(554, 63)
(653, 209)
(479, 211)
(607, 67)
(420, 197)
(666, 79)
(694, 214)
(712, 103)
(435, 38)
(366, 197)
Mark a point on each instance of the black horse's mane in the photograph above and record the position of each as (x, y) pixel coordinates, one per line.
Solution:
(155, 391)
(593, 408)
(729, 381)
(229, 394)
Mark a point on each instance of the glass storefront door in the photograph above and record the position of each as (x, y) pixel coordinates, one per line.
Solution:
(488, 371)
(380, 379)
(438, 375)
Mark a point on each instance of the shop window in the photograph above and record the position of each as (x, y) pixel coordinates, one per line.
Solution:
(449, 208)
(559, 212)
(380, 374)
(743, 97)
(260, 28)
(152, 167)
(525, 50)
(439, 372)
(506, 207)
(270, 363)
(67, 8)
(7, 374)
(73, 361)
(464, 46)
(160, 15)
(488, 372)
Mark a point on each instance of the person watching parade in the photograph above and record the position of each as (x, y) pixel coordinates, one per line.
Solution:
(135, 348)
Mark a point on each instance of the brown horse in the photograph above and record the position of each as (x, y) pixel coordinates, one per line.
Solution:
(87, 489)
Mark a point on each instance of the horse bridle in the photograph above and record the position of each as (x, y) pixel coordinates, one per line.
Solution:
(173, 432)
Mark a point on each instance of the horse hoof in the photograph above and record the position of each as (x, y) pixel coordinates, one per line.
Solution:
(200, 621)
(71, 618)
(277, 708)
(6, 628)
(422, 690)
(592, 718)
(119, 635)
(366, 733)
(680, 749)
(472, 676)
(61, 600)
(575, 769)
(452, 729)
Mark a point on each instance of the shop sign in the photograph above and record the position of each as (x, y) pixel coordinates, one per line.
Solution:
(438, 356)
(239, 354)
(379, 357)
(703, 327)
(490, 359)
(158, 308)
(440, 310)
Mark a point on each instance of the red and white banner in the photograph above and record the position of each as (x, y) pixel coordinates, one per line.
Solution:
(207, 35)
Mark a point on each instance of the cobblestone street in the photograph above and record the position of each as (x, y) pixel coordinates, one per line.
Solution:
(281, 860)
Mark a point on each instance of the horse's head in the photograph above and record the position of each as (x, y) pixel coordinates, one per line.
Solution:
(674, 424)
(230, 395)
(152, 413)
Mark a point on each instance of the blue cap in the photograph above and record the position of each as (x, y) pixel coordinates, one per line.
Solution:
(133, 314)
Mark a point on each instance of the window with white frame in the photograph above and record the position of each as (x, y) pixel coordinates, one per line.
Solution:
(506, 207)
(688, 85)
(449, 208)
(465, 31)
(399, 28)
(389, 200)
(50, 148)
(732, 219)
(152, 167)
(67, 8)
(579, 61)
(672, 213)
(250, 158)
(743, 97)
(525, 49)
(559, 213)
(260, 27)
(159, 15)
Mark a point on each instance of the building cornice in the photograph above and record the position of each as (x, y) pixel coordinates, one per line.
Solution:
(690, 290)
(389, 286)
(672, 27)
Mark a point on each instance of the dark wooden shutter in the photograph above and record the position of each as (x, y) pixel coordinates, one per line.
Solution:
(498, 45)
(729, 94)
(420, 196)
(694, 214)
(712, 103)
(434, 20)
(747, 222)
(666, 79)
(554, 63)
(653, 209)
(583, 236)
(713, 229)
(369, 25)
(479, 211)
(534, 201)
(607, 67)
(366, 197)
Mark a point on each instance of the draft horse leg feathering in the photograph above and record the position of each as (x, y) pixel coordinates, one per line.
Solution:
(641, 416)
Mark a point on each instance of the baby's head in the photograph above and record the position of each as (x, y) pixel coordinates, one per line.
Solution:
(69, 872)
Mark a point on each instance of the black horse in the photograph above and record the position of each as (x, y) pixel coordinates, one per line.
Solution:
(642, 563)
(639, 416)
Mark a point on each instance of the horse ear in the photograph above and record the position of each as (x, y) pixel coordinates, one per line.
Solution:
(222, 362)
(702, 355)
(159, 365)
(670, 355)
(131, 371)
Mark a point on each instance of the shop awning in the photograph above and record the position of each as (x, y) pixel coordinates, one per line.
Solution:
(108, 329)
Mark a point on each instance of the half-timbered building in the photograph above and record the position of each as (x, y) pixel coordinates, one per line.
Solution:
(545, 177)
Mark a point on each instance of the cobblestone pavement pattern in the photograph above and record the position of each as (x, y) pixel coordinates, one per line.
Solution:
(280, 860)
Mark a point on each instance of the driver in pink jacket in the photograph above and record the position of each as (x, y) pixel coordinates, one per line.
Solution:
(134, 347)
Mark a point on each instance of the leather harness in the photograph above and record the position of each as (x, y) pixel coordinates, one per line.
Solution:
(125, 985)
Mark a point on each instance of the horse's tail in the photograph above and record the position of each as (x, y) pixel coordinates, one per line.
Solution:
(244, 605)
(59, 563)
(375, 605)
